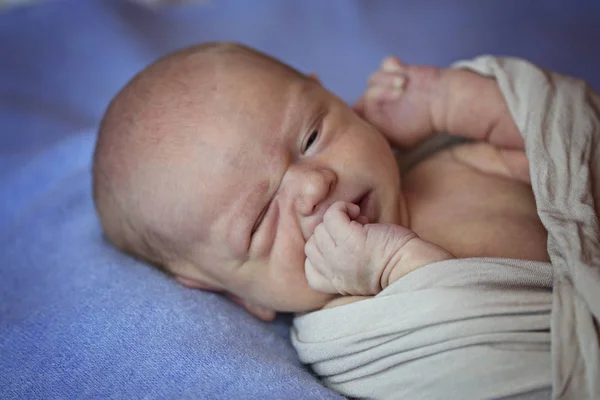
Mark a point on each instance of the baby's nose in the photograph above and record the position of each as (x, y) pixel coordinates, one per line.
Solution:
(311, 188)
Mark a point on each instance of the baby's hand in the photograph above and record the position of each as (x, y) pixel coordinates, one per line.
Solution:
(399, 100)
(346, 255)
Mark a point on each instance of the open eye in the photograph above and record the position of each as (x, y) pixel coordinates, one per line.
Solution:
(311, 139)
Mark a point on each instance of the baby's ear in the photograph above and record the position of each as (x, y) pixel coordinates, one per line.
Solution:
(259, 312)
(314, 77)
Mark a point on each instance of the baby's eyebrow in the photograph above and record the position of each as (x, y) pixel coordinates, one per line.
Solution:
(292, 119)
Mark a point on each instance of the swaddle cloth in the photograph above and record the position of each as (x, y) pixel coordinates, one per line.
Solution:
(490, 328)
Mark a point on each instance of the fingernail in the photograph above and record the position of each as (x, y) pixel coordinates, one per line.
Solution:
(398, 82)
(384, 93)
(390, 64)
(375, 92)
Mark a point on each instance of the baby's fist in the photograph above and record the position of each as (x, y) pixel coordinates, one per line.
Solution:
(346, 255)
(399, 99)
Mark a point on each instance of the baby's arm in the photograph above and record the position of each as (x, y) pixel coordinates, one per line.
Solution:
(348, 256)
(411, 103)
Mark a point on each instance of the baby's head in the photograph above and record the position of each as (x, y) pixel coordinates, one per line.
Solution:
(217, 163)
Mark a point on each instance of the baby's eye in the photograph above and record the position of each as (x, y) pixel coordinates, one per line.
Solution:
(311, 139)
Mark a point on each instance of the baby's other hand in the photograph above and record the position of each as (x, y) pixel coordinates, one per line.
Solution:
(346, 255)
(399, 99)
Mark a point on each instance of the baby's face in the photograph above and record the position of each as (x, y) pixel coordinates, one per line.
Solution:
(280, 151)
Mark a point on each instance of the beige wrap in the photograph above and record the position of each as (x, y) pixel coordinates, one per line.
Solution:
(491, 328)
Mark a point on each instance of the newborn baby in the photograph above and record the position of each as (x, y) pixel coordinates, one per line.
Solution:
(238, 174)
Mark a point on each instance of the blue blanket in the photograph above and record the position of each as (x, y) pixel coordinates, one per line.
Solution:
(78, 319)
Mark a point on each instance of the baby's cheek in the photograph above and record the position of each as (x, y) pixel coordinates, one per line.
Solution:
(287, 255)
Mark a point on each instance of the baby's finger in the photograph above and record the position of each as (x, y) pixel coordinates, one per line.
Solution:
(387, 79)
(316, 280)
(351, 210)
(312, 252)
(391, 64)
(338, 218)
(361, 219)
(323, 239)
(385, 87)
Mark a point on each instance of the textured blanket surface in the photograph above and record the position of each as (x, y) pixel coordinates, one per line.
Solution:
(81, 320)
(491, 328)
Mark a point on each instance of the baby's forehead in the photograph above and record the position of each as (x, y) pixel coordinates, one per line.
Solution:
(267, 106)
(215, 126)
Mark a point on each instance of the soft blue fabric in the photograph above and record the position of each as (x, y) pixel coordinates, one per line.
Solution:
(80, 320)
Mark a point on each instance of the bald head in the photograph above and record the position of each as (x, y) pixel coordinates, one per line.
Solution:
(164, 110)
